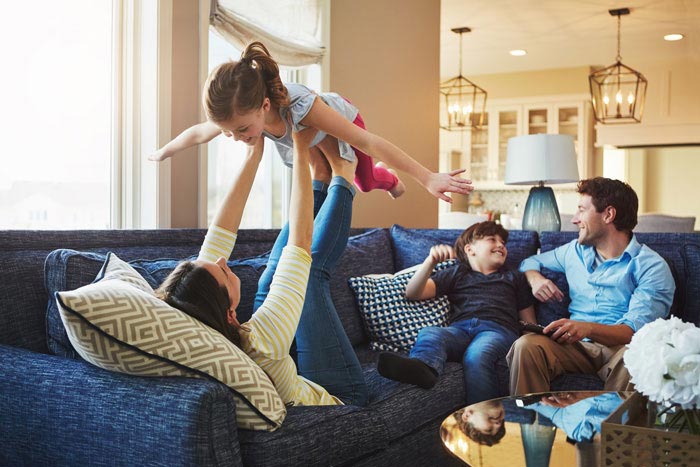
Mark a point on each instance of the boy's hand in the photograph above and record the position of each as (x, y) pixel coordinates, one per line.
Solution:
(440, 183)
(440, 253)
(159, 155)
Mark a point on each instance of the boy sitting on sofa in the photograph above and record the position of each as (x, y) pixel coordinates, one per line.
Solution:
(486, 300)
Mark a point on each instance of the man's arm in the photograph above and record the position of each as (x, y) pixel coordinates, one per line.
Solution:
(544, 289)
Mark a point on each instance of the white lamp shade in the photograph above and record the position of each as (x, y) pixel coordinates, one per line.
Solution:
(541, 158)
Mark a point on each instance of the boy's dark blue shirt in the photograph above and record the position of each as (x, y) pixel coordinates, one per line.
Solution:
(496, 297)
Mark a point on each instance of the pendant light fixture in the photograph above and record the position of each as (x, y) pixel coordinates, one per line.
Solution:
(465, 102)
(618, 91)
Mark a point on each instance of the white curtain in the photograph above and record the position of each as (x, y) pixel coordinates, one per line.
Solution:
(290, 29)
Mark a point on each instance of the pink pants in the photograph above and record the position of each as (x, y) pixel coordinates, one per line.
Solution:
(368, 176)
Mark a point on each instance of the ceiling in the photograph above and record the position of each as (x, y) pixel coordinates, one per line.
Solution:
(563, 33)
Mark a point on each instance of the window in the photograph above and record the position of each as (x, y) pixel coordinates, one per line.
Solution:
(57, 120)
(267, 204)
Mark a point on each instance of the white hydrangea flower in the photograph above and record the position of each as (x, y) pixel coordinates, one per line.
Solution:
(663, 359)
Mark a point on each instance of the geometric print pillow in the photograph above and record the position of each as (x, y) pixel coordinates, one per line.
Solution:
(392, 320)
(118, 324)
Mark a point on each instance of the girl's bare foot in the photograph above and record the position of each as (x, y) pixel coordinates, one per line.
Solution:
(400, 188)
(342, 167)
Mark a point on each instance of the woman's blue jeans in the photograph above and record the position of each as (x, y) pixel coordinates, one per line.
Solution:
(324, 353)
(479, 344)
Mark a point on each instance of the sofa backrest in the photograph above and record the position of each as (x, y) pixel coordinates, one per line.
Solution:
(24, 298)
(680, 250)
(411, 246)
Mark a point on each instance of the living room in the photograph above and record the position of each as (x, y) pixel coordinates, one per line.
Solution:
(387, 56)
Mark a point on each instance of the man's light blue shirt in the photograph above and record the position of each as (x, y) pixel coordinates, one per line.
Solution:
(633, 289)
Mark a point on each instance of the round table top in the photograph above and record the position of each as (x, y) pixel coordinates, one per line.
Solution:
(546, 429)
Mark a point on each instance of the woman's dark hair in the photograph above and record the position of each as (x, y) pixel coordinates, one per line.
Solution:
(606, 192)
(242, 86)
(193, 290)
(475, 232)
(477, 436)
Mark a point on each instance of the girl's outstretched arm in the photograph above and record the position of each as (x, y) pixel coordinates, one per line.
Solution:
(196, 134)
(230, 212)
(322, 117)
(301, 203)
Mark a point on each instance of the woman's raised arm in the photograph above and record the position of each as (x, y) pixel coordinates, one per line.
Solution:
(301, 203)
(230, 212)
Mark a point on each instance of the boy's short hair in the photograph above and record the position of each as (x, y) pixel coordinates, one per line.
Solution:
(475, 232)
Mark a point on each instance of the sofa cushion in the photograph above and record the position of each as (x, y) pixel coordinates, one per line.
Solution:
(117, 323)
(366, 253)
(69, 269)
(404, 407)
(411, 246)
(392, 320)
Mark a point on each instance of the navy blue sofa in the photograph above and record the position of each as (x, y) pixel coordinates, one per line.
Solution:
(56, 409)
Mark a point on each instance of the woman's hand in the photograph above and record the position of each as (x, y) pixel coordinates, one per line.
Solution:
(257, 149)
(440, 183)
(305, 137)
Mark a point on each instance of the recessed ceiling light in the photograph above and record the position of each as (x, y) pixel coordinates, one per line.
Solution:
(673, 37)
(518, 52)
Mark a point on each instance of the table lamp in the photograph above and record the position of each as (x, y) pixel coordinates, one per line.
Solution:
(539, 159)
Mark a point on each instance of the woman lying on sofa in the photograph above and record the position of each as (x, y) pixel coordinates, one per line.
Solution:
(328, 371)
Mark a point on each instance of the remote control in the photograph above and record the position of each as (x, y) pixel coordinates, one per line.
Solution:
(537, 328)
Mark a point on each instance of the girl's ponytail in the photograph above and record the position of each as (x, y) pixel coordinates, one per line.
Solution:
(256, 55)
(240, 87)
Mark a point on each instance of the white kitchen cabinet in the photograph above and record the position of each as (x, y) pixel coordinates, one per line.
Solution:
(484, 150)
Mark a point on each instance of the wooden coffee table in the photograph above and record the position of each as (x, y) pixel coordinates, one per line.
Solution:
(547, 429)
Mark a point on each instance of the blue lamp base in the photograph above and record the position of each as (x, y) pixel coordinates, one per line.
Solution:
(541, 210)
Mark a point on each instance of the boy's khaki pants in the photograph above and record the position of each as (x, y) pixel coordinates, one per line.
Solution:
(535, 360)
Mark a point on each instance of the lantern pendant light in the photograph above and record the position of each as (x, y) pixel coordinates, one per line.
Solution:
(618, 91)
(465, 102)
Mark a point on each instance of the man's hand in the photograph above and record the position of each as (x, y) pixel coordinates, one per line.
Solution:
(440, 253)
(543, 289)
(566, 331)
(440, 183)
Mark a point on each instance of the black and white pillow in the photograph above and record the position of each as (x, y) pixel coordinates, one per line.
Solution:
(393, 321)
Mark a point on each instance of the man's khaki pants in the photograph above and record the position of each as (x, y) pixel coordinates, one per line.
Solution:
(535, 360)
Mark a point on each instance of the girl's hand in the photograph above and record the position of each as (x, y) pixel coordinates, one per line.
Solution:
(159, 155)
(440, 183)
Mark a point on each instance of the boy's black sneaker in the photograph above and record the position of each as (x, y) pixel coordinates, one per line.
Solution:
(406, 370)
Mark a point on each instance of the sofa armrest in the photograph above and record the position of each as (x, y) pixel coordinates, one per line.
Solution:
(58, 411)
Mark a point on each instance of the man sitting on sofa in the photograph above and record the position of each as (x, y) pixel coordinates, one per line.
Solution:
(616, 286)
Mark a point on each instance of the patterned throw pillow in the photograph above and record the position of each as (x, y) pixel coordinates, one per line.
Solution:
(393, 321)
(118, 324)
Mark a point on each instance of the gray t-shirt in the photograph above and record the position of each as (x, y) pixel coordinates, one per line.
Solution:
(301, 99)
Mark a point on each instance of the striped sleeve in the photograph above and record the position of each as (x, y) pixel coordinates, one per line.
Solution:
(277, 318)
(218, 243)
